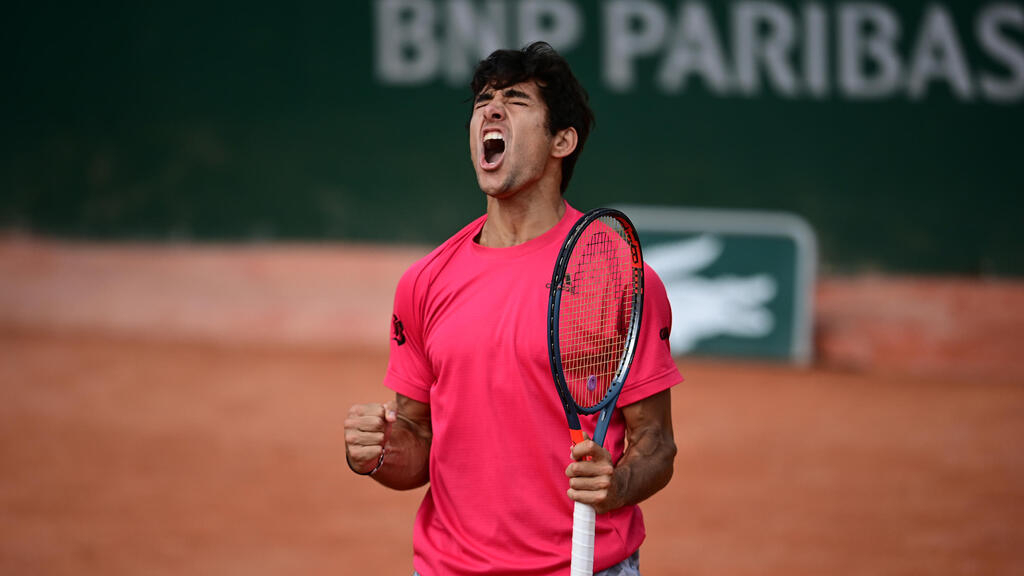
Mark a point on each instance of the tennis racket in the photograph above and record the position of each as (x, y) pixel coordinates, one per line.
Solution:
(594, 308)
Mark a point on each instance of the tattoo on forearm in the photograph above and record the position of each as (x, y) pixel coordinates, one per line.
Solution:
(646, 466)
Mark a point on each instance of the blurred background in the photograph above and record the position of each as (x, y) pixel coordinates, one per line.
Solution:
(204, 210)
(893, 128)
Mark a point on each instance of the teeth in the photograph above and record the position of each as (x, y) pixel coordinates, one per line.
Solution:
(493, 136)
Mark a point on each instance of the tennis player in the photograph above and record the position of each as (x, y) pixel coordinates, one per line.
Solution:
(476, 413)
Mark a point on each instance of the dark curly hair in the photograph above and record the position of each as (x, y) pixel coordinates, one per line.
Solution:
(566, 100)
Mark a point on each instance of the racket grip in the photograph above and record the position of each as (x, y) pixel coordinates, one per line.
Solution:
(583, 517)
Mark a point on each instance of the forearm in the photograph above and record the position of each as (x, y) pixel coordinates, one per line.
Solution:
(646, 466)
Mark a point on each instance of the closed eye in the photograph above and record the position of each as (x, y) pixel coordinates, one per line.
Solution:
(512, 96)
(483, 99)
(517, 96)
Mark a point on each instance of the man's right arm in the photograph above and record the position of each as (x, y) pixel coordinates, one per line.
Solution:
(402, 429)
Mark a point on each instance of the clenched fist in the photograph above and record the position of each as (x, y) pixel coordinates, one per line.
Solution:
(367, 429)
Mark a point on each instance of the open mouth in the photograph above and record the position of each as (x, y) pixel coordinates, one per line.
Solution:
(494, 148)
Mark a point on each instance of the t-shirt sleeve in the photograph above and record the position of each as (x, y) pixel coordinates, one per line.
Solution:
(653, 368)
(409, 370)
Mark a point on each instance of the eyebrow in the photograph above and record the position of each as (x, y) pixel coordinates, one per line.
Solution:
(513, 93)
(508, 93)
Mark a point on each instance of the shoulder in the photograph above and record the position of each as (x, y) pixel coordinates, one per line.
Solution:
(654, 287)
(657, 307)
(422, 272)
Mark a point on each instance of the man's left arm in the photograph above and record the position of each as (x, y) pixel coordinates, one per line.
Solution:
(646, 465)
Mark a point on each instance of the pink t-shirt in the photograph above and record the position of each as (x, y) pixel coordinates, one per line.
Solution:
(469, 338)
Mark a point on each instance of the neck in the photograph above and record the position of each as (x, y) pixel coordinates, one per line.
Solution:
(520, 218)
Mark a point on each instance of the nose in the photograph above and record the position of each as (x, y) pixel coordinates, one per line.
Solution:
(494, 111)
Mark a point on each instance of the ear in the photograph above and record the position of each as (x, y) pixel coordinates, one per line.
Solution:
(564, 142)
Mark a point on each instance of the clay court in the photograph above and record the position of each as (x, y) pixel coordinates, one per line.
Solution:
(206, 448)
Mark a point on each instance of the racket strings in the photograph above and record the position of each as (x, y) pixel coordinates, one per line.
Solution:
(596, 308)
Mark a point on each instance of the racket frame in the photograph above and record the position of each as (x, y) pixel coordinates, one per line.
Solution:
(584, 516)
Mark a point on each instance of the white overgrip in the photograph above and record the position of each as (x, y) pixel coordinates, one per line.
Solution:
(583, 516)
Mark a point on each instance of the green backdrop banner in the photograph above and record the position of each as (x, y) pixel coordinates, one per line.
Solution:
(893, 128)
(741, 283)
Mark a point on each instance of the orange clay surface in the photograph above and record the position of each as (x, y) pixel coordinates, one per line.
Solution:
(147, 456)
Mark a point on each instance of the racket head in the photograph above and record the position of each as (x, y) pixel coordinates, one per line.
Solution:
(594, 309)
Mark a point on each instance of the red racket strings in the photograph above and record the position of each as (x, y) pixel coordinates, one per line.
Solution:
(596, 306)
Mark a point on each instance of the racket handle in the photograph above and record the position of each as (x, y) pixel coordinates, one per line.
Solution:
(583, 517)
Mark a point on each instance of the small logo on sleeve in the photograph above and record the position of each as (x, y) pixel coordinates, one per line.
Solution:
(397, 330)
(664, 333)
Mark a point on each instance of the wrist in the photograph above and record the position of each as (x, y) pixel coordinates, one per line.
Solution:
(380, 462)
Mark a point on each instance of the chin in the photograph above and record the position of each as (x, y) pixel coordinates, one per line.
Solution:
(493, 192)
(490, 185)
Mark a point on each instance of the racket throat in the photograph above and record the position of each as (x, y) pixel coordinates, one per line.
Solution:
(601, 429)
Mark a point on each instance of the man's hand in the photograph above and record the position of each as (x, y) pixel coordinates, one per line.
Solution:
(591, 477)
(367, 430)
